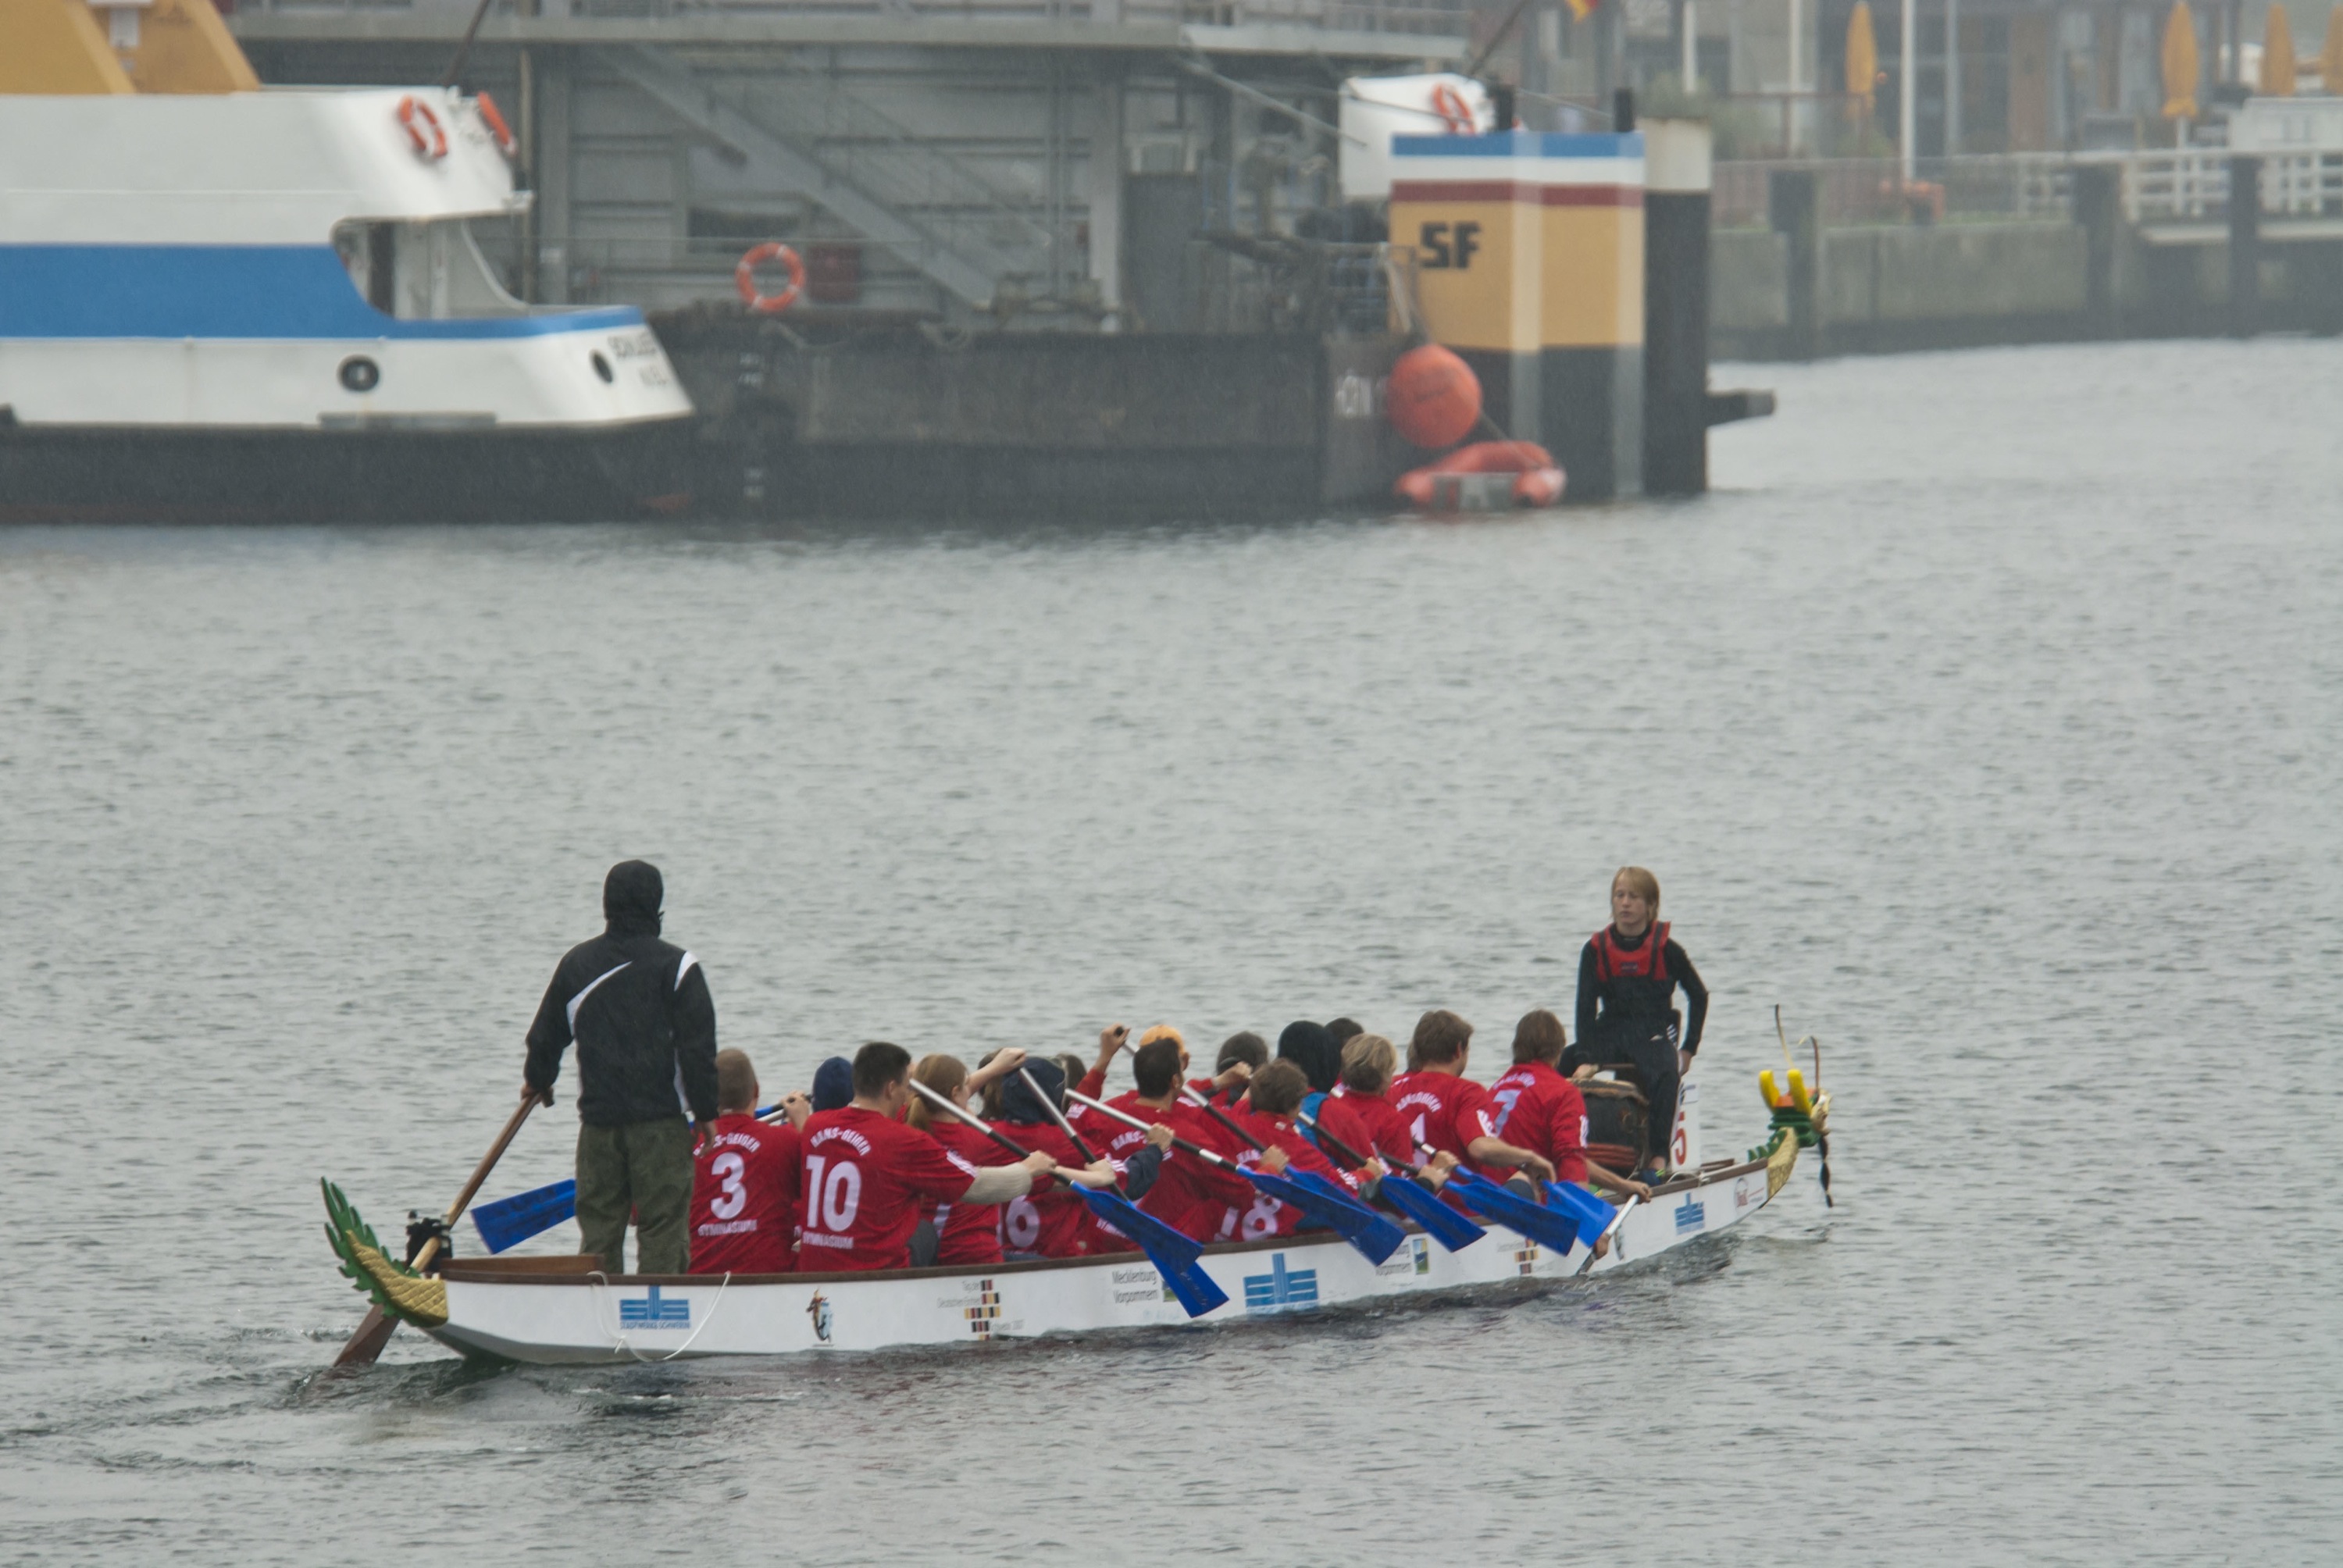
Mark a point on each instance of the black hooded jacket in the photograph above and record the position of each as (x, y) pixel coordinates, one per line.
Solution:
(640, 1011)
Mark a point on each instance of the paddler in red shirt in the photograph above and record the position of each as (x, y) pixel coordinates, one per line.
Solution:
(744, 1180)
(1369, 1061)
(865, 1172)
(1195, 1198)
(1540, 1110)
(1447, 1111)
(965, 1232)
(1274, 1096)
(1050, 1221)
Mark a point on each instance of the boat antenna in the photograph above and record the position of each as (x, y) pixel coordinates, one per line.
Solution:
(464, 49)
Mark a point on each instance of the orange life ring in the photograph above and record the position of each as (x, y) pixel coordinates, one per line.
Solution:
(493, 118)
(744, 278)
(1454, 111)
(416, 117)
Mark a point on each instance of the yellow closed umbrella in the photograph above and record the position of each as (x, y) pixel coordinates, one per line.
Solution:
(2180, 64)
(2330, 56)
(1861, 59)
(2277, 55)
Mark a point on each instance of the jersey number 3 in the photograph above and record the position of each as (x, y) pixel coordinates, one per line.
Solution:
(728, 1168)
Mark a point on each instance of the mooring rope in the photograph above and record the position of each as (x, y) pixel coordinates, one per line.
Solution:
(618, 1339)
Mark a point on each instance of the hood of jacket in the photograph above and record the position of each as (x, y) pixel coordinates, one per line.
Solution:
(631, 895)
(1017, 1102)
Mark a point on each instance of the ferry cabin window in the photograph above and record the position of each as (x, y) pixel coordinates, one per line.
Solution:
(422, 271)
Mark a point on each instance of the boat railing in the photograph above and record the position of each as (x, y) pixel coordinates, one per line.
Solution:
(1446, 18)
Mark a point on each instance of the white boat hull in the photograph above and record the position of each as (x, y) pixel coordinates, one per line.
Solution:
(548, 1318)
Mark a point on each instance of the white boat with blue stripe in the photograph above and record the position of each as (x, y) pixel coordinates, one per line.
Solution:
(271, 303)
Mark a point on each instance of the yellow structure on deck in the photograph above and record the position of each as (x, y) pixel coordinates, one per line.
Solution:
(66, 47)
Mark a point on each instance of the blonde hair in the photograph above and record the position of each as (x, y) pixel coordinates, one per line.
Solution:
(1639, 880)
(1368, 1061)
(941, 1073)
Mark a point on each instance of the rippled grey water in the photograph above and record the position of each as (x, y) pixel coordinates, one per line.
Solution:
(1987, 719)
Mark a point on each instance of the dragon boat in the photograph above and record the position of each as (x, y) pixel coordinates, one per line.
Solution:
(564, 1310)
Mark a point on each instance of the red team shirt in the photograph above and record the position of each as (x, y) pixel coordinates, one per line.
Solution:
(1047, 1222)
(966, 1232)
(1339, 1118)
(1264, 1215)
(1540, 1111)
(1381, 1119)
(744, 1198)
(1197, 1199)
(864, 1176)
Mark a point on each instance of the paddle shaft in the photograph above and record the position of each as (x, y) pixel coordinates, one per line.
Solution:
(973, 1120)
(1330, 1141)
(364, 1346)
(1198, 1150)
(1223, 1118)
(1609, 1230)
(1058, 1117)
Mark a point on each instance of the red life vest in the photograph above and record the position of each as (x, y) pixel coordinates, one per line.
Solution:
(1647, 960)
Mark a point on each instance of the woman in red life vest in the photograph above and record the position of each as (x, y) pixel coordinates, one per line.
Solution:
(965, 1232)
(1628, 976)
(1369, 1063)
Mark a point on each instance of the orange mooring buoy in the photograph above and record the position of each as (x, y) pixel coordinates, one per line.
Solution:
(1433, 399)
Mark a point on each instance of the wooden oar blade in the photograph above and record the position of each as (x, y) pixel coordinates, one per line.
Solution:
(509, 1221)
(1444, 1224)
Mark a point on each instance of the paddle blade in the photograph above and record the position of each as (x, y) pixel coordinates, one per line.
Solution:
(1195, 1290)
(1592, 1214)
(1548, 1227)
(1375, 1236)
(509, 1221)
(1441, 1222)
(1171, 1251)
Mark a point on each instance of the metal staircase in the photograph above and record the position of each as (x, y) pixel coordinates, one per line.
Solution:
(813, 137)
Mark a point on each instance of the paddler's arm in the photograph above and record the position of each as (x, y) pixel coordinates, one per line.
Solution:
(1006, 1060)
(1589, 989)
(1486, 1151)
(1616, 1182)
(1695, 1002)
(548, 1037)
(1111, 1041)
(1000, 1183)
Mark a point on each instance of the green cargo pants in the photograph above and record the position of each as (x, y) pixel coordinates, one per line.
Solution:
(642, 1168)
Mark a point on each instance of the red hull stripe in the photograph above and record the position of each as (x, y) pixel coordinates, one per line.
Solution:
(1514, 190)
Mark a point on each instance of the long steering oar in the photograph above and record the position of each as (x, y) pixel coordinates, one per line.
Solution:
(1375, 1237)
(1444, 1224)
(1352, 1220)
(364, 1346)
(509, 1221)
(1173, 1254)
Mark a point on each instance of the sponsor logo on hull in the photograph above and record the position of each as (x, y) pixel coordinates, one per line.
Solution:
(653, 1311)
(1691, 1216)
(818, 1310)
(1282, 1290)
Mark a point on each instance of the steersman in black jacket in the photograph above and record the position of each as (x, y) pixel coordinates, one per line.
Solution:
(644, 1025)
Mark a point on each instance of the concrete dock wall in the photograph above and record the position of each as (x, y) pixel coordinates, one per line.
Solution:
(1881, 288)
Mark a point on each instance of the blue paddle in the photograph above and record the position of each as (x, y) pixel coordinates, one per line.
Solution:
(1173, 1254)
(1375, 1237)
(1444, 1224)
(509, 1221)
(1593, 1214)
(1548, 1227)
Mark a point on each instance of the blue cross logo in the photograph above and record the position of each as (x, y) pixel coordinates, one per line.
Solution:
(650, 1312)
(1280, 1289)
